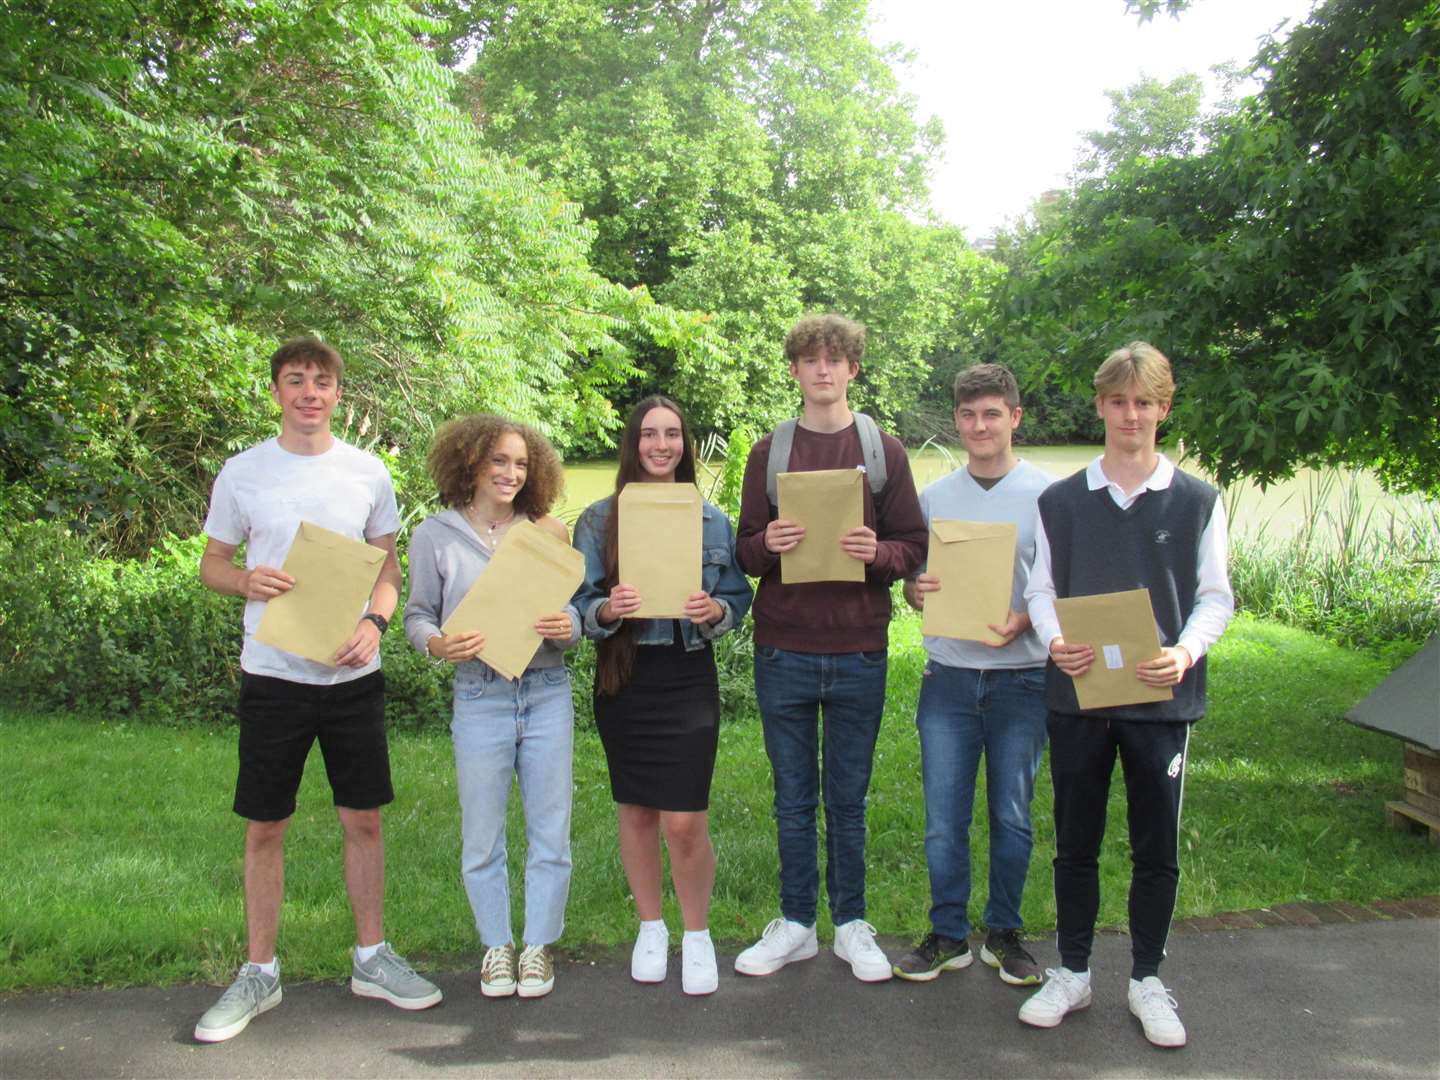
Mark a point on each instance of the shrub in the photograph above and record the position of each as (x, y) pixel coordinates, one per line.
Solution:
(144, 636)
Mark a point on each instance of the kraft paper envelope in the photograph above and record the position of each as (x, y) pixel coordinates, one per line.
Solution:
(975, 562)
(829, 503)
(531, 574)
(1120, 627)
(660, 546)
(334, 576)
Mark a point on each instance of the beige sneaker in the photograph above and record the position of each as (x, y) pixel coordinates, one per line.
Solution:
(537, 971)
(497, 971)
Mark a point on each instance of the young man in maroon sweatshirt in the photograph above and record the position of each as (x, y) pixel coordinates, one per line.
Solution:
(820, 649)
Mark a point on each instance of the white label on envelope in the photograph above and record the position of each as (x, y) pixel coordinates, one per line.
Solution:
(1112, 657)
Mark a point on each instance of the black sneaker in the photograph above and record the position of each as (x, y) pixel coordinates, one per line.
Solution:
(935, 954)
(1004, 952)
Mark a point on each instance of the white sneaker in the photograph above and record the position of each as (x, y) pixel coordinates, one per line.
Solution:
(782, 942)
(649, 957)
(698, 974)
(1153, 1004)
(1064, 992)
(855, 944)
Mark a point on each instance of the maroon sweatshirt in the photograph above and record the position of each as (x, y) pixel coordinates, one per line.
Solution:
(831, 616)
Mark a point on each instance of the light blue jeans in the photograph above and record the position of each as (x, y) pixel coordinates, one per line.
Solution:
(962, 713)
(524, 729)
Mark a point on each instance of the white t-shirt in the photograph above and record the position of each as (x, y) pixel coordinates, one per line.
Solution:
(957, 497)
(260, 498)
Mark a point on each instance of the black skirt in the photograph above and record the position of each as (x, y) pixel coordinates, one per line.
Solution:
(661, 730)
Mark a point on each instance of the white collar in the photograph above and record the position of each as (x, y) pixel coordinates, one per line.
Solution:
(1158, 480)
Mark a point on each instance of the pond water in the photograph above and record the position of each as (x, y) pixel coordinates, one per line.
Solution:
(1280, 510)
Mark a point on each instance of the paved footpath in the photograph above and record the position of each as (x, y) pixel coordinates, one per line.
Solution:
(1357, 999)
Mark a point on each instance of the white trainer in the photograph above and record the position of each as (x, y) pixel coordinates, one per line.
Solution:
(698, 973)
(855, 944)
(1154, 1005)
(1064, 992)
(782, 942)
(649, 957)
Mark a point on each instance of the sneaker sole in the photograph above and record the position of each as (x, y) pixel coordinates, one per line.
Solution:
(701, 991)
(1052, 1021)
(955, 963)
(1005, 977)
(1172, 1045)
(229, 1031)
(807, 952)
(503, 990)
(536, 991)
(877, 975)
(361, 988)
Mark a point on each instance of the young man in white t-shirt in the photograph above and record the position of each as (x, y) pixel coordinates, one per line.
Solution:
(981, 697)
(287, 702)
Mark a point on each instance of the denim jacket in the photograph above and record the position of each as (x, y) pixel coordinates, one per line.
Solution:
(720, 576)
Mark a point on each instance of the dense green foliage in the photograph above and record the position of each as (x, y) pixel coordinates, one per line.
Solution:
(184, 184)
(752, 159)
(1288, 264)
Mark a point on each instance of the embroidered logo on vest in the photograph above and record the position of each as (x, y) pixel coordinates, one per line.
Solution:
(1162, 536)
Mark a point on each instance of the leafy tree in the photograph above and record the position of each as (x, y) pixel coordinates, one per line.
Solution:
(756, 159)
(182, 184)
(1288, 268)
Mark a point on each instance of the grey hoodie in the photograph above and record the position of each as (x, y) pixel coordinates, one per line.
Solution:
(445, 559)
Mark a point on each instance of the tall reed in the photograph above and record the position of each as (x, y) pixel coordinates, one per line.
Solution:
(1354, 574)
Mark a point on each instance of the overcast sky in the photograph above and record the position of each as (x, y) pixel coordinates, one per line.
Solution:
(1017, 84)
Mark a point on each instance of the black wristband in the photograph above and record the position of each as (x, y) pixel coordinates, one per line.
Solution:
(380, 621)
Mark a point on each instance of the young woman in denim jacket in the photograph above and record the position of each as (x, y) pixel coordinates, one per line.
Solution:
(657, 699)
(491, 473)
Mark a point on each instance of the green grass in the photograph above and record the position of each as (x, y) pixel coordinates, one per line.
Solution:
(122, 858)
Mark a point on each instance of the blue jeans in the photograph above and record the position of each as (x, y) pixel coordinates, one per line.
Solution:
(847, 690)
(962, 712)
(524, 729)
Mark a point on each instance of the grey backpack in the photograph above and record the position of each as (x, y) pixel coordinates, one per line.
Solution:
(872, 453)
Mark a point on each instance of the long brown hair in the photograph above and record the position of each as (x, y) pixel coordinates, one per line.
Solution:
(615, 655)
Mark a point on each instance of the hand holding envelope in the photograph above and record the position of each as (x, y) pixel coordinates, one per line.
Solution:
(975, 562)
(829, 503)
(531, 574)
(1120, 627)
(334, 576)
(660, 546)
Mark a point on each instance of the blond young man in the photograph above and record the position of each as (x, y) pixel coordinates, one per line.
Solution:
(1128, 520)
(288, 702)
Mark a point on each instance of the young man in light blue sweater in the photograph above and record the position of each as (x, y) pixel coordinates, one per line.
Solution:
(981, 697)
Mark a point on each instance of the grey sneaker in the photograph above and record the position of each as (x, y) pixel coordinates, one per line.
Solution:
(1004, 952)
(935, 954)
(388, 976)
(537, 971)
(497, 971)
(252, 993)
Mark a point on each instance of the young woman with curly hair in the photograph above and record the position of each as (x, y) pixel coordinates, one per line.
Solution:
(657, 698)
(490, 473)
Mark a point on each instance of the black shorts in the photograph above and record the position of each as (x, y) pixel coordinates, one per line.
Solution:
(279, 722)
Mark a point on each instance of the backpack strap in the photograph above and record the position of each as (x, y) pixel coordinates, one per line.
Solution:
(872, 451)
(781, 440)
(872, 454)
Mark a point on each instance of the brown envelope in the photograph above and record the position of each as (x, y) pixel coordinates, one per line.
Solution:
(660, 546)
(975, 562)
(829, 503)
(1120, 627)
(531, 574)
(334, 577)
